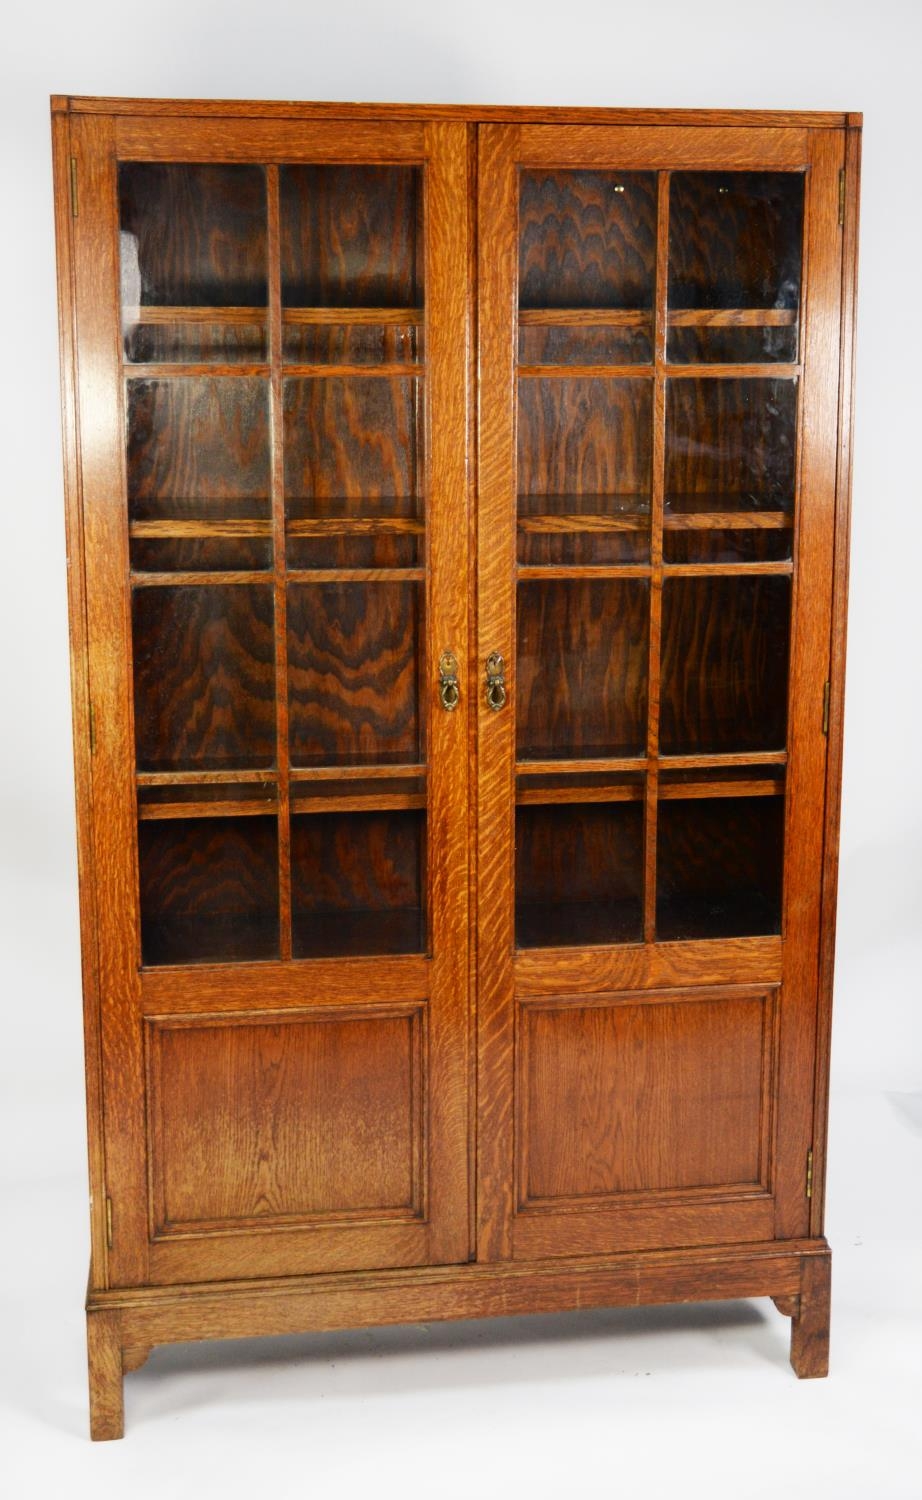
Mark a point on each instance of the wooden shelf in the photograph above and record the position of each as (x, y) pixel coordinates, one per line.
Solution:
(369, 802)
(203, 778)
(757, 787)
(355, 526)
(178, 530)
(534, 796)
(355, 316)
(356, 773)
(628, 763)
(337, 316)
(731, 317)
(585, 317)
(243, 808)
(728, 520)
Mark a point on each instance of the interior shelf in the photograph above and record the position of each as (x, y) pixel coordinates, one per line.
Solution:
(731, 317)
(680, 317)
(145, 315)
(585, 317)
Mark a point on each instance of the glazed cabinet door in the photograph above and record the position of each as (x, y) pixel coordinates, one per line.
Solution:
(271, 320)
(659, 316)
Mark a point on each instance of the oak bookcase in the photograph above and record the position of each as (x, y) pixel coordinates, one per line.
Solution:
(457, 507)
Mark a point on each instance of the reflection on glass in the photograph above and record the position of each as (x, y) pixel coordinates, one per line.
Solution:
(193, 262)
(735, 252)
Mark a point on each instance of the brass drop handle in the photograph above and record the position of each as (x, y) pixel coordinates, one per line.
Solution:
(496, 682)
(449, 689)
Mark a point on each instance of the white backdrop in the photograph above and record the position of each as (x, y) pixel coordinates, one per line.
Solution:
(709, 53)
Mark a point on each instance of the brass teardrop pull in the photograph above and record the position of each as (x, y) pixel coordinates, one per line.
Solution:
(496, 682)
(449, 688)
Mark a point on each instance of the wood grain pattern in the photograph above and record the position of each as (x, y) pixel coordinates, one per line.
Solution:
(203, 438)
(810, 1325)
(557, 971)
(724, 664)
(586, 239)
(733, 438)
(578, 436)
(581, 649)
(354, 438)
(641, 1095)
(358, 883)
(204, 678)
(350, 235)
(104, 1358)
(192, 235)
(208, 889)
(288, 1119)
(353, 654)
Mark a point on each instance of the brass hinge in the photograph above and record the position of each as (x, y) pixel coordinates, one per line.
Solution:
(809, 1188)
(73, 186)
(92, 731)
(841, 196)
(826, 693)
(109, 1223)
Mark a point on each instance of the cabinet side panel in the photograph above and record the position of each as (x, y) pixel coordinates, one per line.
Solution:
(99, 415)
(80, 708)
(837, 667)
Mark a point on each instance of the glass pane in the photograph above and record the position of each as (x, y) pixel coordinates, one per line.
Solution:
(209, 889)
(587, 239)
(730, 470)
(358, 883)
(719, 856)
(581, 663)
(193, 262)
(584, 466)
(351, 236)
(735, 253)
(579, 874)
(353, 471)
(724, 664)
(204, 677)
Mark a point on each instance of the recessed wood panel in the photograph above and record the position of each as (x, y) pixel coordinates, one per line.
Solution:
(643, 1095)
(296, 1118)
(350, 236)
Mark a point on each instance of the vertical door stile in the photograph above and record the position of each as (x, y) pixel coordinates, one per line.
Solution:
(280, 611)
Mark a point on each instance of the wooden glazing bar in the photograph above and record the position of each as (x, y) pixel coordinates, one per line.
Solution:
(740, 569)
(732, 317)
(584, 317)
(356, 526)
(336, 316)
(658, 470)
(201, 778)
(356, 773)
(355, 575)
(178, 530)
(277, 429)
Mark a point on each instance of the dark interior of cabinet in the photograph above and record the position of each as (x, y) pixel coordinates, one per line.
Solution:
(724, 664)
(209, 889)
(719, 867)
(579, 874)
(358, 883)
(730, 442)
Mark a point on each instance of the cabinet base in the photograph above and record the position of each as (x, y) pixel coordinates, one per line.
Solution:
(124, 1324)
